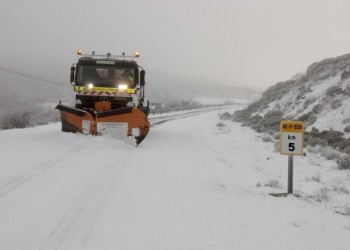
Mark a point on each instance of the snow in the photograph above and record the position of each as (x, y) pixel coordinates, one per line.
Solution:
(330, 118)
(189, 185)
(212, 101)
(319, 88)
(302, 98)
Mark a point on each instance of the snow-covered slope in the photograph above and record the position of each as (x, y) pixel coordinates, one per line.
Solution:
(190, 185)
(320, 97)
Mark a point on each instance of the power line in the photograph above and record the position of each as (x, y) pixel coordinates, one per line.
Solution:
(26, 75)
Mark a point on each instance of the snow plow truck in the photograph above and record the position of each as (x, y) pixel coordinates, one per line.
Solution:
(109, 97)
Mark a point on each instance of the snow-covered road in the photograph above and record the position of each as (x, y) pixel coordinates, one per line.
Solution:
(189, 185)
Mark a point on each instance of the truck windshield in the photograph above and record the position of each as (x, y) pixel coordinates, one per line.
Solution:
(101, 75)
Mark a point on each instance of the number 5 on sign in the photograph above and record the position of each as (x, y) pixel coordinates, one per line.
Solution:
(291, 137)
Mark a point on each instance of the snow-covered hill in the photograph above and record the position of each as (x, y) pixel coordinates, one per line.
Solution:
(193, 183)
(320, 98)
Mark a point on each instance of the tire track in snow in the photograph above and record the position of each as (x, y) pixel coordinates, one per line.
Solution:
(75, 227)
(18, 180)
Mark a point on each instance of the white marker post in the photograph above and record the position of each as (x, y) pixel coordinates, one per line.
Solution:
(291, 143)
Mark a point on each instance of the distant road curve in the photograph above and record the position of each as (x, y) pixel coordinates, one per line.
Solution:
(161, 119)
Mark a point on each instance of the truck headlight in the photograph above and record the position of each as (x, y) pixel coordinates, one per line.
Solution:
(122, 86)
(90, 86)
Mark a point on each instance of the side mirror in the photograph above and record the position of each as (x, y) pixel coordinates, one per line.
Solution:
(72, 74)
(142, 78)
(137, 75)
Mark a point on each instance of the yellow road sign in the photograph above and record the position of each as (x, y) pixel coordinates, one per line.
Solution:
(292, 126)
(291, 137)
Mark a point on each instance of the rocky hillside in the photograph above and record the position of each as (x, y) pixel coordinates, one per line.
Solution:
(320, 97)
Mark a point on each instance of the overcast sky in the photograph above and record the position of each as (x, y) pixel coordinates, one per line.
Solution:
(253, 43)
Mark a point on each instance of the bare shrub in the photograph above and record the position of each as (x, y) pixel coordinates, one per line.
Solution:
(225, 116)
(262, 107)
(331, 137)
(343, 144)
(344, 162)
(309, 118)
(16, 120)
(329, 153)
(255, 119)
(257, 128)
(347, 209)
(316, 178)
(274, 114)
(347, 90)
(347, 129)
(266, 138)
(271, 121)
(308, 102)
(254, 122)
(312, 141)
(315, 130)
(347, 150)
(334, 91)
(341, 189)
(313, 149)
(336, 103)
(273, 183)
(317, 108)
(334, 138)
(28, 116)
(277, 91)
(241, 115)
(321, 194)
(295, 223)
(346, 120)
(220, 125)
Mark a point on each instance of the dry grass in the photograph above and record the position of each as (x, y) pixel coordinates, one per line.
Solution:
(273, 183)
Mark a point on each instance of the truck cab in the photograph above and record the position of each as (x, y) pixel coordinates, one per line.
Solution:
(97, 78)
